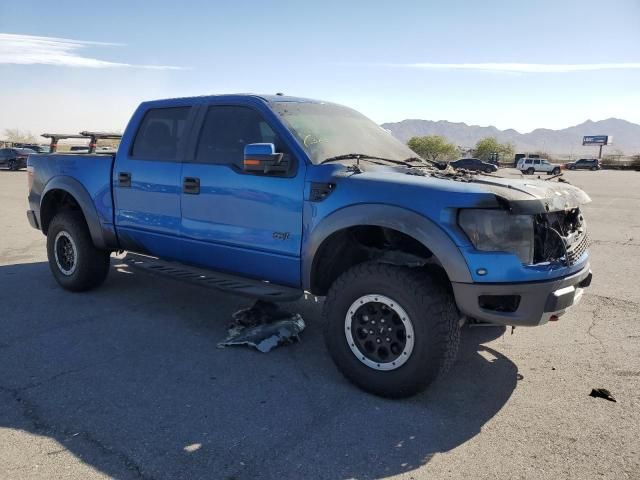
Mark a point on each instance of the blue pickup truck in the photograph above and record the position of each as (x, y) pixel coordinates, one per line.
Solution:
(272, 196)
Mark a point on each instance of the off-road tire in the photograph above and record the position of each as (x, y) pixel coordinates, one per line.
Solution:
(91, 264)
(433, 314)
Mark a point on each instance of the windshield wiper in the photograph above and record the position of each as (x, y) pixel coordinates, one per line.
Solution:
(363, 156)
(421, 160)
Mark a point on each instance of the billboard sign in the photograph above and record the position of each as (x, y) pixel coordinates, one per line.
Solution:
(596, 140)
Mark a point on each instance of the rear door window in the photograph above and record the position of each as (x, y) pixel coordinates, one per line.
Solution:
(161, 133)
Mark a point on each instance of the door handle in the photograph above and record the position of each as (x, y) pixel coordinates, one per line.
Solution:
(191, 185)
(124, 179)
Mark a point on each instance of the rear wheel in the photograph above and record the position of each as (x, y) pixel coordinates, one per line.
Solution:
(13, 165)
(593, 169)
(488, 170)
(530, 171)
(75, 262)
(390, 330)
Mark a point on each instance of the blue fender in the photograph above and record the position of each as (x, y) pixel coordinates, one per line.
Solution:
(102, 237)
(410, 223)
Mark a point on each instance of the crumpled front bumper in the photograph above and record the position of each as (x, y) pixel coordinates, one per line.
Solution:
(536, 302)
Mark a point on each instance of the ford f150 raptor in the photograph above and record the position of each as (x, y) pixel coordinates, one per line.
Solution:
(271, 196)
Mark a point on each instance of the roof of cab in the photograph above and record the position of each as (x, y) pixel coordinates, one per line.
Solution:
(267, 98)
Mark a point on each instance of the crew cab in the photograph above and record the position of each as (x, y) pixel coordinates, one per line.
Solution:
(531, 165)
(272, 196)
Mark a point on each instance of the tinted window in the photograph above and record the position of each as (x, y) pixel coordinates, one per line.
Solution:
(536, 162)
(160, 133)
(528, 161)
(225, 132)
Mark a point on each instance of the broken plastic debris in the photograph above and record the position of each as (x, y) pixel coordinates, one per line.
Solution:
(263, 326)
(602, 393)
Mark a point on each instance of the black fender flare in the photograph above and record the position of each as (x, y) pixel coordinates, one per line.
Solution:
(406, 221)
(101, 238)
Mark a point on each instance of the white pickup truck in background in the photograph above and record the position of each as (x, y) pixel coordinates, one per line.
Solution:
(531, 165)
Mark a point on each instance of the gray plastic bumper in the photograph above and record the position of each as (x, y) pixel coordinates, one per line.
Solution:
(537, 301)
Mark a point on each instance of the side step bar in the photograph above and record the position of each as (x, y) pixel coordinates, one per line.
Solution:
(211, 279)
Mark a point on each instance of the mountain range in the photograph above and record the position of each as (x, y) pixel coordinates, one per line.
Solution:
(626, 136)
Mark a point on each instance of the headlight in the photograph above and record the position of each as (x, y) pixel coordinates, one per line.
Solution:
(499, 231)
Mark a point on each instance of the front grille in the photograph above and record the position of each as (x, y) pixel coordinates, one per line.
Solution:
(560, 237)
(577, 249)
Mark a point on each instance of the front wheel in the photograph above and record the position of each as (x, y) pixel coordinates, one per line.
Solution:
(593, 169)
(555, 171)
(530, 171)
(391, 330)
(12, 165)
(75, 262)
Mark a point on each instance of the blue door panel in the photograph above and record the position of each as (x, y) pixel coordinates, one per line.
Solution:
(167, 247)
(152, 202)
(247, 224)
(150, 206)
(281, 269)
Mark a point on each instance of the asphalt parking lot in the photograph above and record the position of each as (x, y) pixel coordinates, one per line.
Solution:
(126, 381)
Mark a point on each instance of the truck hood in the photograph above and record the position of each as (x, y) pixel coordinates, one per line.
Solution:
(533, 196)
(460, 188)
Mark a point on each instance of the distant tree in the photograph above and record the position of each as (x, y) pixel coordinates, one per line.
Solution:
(433, 147)
(544, 154)
(15, 135)
(489, 146)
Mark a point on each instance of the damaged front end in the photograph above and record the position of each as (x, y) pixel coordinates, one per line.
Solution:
(560, 237)
(533, 231)
(528, 255)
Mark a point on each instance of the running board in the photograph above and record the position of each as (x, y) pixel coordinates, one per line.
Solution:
(212, 279)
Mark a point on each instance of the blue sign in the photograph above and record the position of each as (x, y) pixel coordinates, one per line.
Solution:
(596, 140)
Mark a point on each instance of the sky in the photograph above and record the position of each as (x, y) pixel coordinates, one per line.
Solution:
(70, 66)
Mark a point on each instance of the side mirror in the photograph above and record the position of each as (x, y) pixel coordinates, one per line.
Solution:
(262, 158)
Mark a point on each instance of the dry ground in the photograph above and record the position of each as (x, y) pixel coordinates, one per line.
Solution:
(127, 382)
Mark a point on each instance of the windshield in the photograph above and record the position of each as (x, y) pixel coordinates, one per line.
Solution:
(327, 130)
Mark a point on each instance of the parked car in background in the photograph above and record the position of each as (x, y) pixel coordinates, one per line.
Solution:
(530, 166)
(79, 149)
(36, 148)
(14, 158)
(585, 164)
(474, 164)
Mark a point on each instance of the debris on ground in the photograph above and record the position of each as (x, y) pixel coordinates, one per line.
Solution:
(263, 326)
(602, 393)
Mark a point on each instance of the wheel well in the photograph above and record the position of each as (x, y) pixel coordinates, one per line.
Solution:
(353, 245)
(52, 203)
